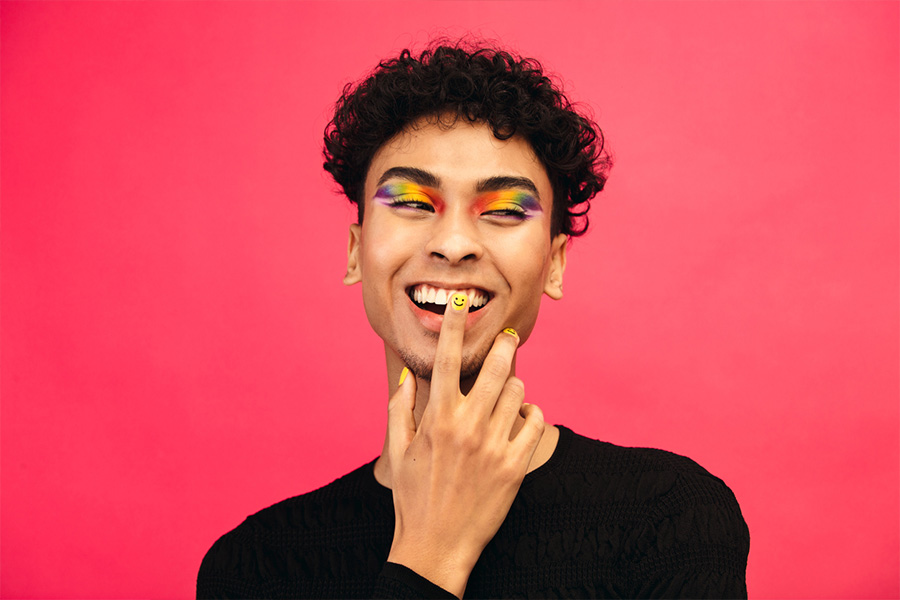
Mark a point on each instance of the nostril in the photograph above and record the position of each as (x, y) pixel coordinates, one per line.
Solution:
(470, 256)
(454, 247)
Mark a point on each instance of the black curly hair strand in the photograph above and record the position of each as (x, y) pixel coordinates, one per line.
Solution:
(480, 84)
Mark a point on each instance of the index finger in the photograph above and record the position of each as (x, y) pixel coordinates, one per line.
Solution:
(448, 357)
(495, 370)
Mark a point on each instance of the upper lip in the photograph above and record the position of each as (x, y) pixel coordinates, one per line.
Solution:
(451, 286)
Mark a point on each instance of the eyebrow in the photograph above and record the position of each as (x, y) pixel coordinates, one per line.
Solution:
(495, 184)
(491, 184)
(411, 174)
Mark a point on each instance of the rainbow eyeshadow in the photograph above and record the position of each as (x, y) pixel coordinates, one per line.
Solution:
(397, 194)
(514, 201)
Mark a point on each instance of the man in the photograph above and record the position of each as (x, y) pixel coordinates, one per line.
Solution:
(470, 172)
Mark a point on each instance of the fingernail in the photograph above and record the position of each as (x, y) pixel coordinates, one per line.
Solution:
(403, 375)
(511, 332)
(459, 301)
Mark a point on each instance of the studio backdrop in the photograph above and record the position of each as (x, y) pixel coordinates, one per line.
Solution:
(178, 350)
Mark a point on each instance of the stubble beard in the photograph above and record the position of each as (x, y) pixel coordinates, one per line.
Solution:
(422, 367)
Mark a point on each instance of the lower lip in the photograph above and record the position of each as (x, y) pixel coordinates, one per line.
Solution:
(433, 321)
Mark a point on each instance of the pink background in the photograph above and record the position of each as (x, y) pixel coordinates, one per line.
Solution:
(178, 350)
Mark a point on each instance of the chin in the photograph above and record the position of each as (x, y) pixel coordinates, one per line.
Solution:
(423, 367)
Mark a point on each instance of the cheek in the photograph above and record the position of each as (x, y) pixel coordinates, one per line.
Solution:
(380, 262)
(375, 247)
(528, 265)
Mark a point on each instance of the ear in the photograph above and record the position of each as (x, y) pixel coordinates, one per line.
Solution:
(553, 286)
(354, 274)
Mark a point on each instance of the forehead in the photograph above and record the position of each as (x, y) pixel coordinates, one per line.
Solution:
(459, 155)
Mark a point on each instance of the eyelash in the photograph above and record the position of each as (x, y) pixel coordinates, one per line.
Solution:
(411, 203)
(516, 213)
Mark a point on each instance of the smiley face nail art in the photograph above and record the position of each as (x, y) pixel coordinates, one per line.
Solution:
(458, 301)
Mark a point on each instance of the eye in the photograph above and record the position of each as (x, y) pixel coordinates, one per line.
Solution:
(517, 213)
(508, 212)
(412, 202)
(508, 206)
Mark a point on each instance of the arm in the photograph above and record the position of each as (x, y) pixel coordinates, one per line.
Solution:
(455, 476)
(698, 544)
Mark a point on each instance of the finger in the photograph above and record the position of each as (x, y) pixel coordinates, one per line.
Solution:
(448, 357)
(526, 441)
(495, 371)
(401, 419)
(508, 406)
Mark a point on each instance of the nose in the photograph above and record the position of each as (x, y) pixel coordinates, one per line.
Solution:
(455, 238)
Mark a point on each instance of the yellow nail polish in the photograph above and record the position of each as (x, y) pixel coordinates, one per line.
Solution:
(403, 376)
(459, 301)
(511, 332)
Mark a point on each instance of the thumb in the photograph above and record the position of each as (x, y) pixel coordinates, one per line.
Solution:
(401, 421)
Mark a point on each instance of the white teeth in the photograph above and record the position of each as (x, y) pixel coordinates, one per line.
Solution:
(425, 293)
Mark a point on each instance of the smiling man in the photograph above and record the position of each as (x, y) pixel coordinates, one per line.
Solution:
(470, 172)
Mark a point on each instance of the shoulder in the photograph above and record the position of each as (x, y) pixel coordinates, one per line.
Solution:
(290, 537)
(688, 533)
(665, 479)
(309, 512)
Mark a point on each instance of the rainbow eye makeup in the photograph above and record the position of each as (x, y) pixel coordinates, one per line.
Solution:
(509, 203)
(409, 196)
(504, 204)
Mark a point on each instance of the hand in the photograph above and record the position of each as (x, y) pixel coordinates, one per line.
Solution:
(454, 477)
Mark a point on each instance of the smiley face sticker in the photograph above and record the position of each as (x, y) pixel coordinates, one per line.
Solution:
(458, 301)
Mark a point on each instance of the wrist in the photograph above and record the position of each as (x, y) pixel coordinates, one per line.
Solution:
(446, 568)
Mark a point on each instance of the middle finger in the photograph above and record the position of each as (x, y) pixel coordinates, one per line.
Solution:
(448, 356)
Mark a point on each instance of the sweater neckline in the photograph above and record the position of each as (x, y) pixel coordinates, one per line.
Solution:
(566, 436)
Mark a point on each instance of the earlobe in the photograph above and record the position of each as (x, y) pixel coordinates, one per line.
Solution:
(553, 286)
(354, 274)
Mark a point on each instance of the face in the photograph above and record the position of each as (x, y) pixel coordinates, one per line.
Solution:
(454, 209)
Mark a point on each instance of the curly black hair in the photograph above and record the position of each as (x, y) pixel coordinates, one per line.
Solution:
(509, 93)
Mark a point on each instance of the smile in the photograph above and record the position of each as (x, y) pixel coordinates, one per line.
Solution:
(434, 299)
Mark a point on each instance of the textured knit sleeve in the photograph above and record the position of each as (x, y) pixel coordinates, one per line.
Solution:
(696, 543)
(246, 563)
(398, 581)
(223, 574)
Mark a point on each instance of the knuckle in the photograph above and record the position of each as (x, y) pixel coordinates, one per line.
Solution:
(510, 473)
(491, 455)
(468, 443)
(508, 407)
(440, 431)
(430, 438)
(496, 367)
(537, 415)
(537, 424)
(515, 387)
(464, 437)
(394, 404)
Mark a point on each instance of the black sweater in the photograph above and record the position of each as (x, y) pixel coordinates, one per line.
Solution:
(595, 521)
